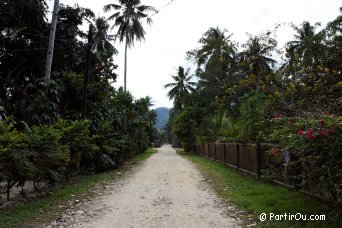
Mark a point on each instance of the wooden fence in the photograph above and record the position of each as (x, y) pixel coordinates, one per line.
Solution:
(249, 158)
(244, 157)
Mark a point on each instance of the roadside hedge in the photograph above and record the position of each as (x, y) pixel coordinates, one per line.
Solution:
(54, 153)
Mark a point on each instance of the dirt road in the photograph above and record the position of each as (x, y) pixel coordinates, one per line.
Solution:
(165, 191)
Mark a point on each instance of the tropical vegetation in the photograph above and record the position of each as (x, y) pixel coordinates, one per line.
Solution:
(74, 123)
(257, 92)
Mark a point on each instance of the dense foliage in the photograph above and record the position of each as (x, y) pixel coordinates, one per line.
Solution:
(42, 135)
(308, 154)
(247, 93)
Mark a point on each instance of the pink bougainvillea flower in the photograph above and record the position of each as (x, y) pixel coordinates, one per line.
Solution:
(310, 132)
(311, 136)
(321, 122)
(328, 132)
(321, 132)
(300, 132)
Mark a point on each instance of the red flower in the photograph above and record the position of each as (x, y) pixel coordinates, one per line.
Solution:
(321, 132)
(300, 132)
(274, 151)
(310, 134)
(321, 122)
(290, 123)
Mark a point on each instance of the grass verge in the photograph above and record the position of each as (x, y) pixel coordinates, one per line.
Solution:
(258, 197)
(48, 208)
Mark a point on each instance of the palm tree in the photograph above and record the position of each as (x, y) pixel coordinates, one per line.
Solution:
(181, 87)
(216, 55)
(101, 40)
(306, 47)
(256, 58)
(51, 40)
(99, 44)
(128, 15)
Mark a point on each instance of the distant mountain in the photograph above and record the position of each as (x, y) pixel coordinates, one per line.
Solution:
(162, 117)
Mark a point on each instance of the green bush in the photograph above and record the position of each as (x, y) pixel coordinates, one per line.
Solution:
(76, 136)
(118, 127)
(109, 145)
(185, 126)
(310, 155)
(49, 156)
(15, 163)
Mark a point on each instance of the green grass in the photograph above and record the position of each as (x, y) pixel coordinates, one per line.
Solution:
(47, 208)
(258, 197)
(144, 156)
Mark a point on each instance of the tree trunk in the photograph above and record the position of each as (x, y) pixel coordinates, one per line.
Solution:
(51, 40)
(125, 70)
(86, 73)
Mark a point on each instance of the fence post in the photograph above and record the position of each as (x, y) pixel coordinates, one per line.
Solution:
(202, 149)
(224, 152)
(258, 151)
(208, 150)
(237, 156)
(215, 152)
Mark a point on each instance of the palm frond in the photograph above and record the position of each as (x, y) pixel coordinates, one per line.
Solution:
(109, 7)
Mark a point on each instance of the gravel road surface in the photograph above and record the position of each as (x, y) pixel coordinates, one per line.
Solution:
(164, 191)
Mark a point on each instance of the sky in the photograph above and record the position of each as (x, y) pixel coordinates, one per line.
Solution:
(177, 28)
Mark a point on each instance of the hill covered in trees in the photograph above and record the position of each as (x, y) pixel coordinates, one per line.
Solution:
(162, 117)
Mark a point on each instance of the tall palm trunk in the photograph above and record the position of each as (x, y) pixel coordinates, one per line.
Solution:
(86, 73)
(125, 70)
(51, 40)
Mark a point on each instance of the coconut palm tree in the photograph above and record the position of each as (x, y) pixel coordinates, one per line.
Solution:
(307, 48)
(257, 55)
(215, 55)
(257, 59)
(128, 15)
(181, 87)
(101, 40)
(99, 44)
